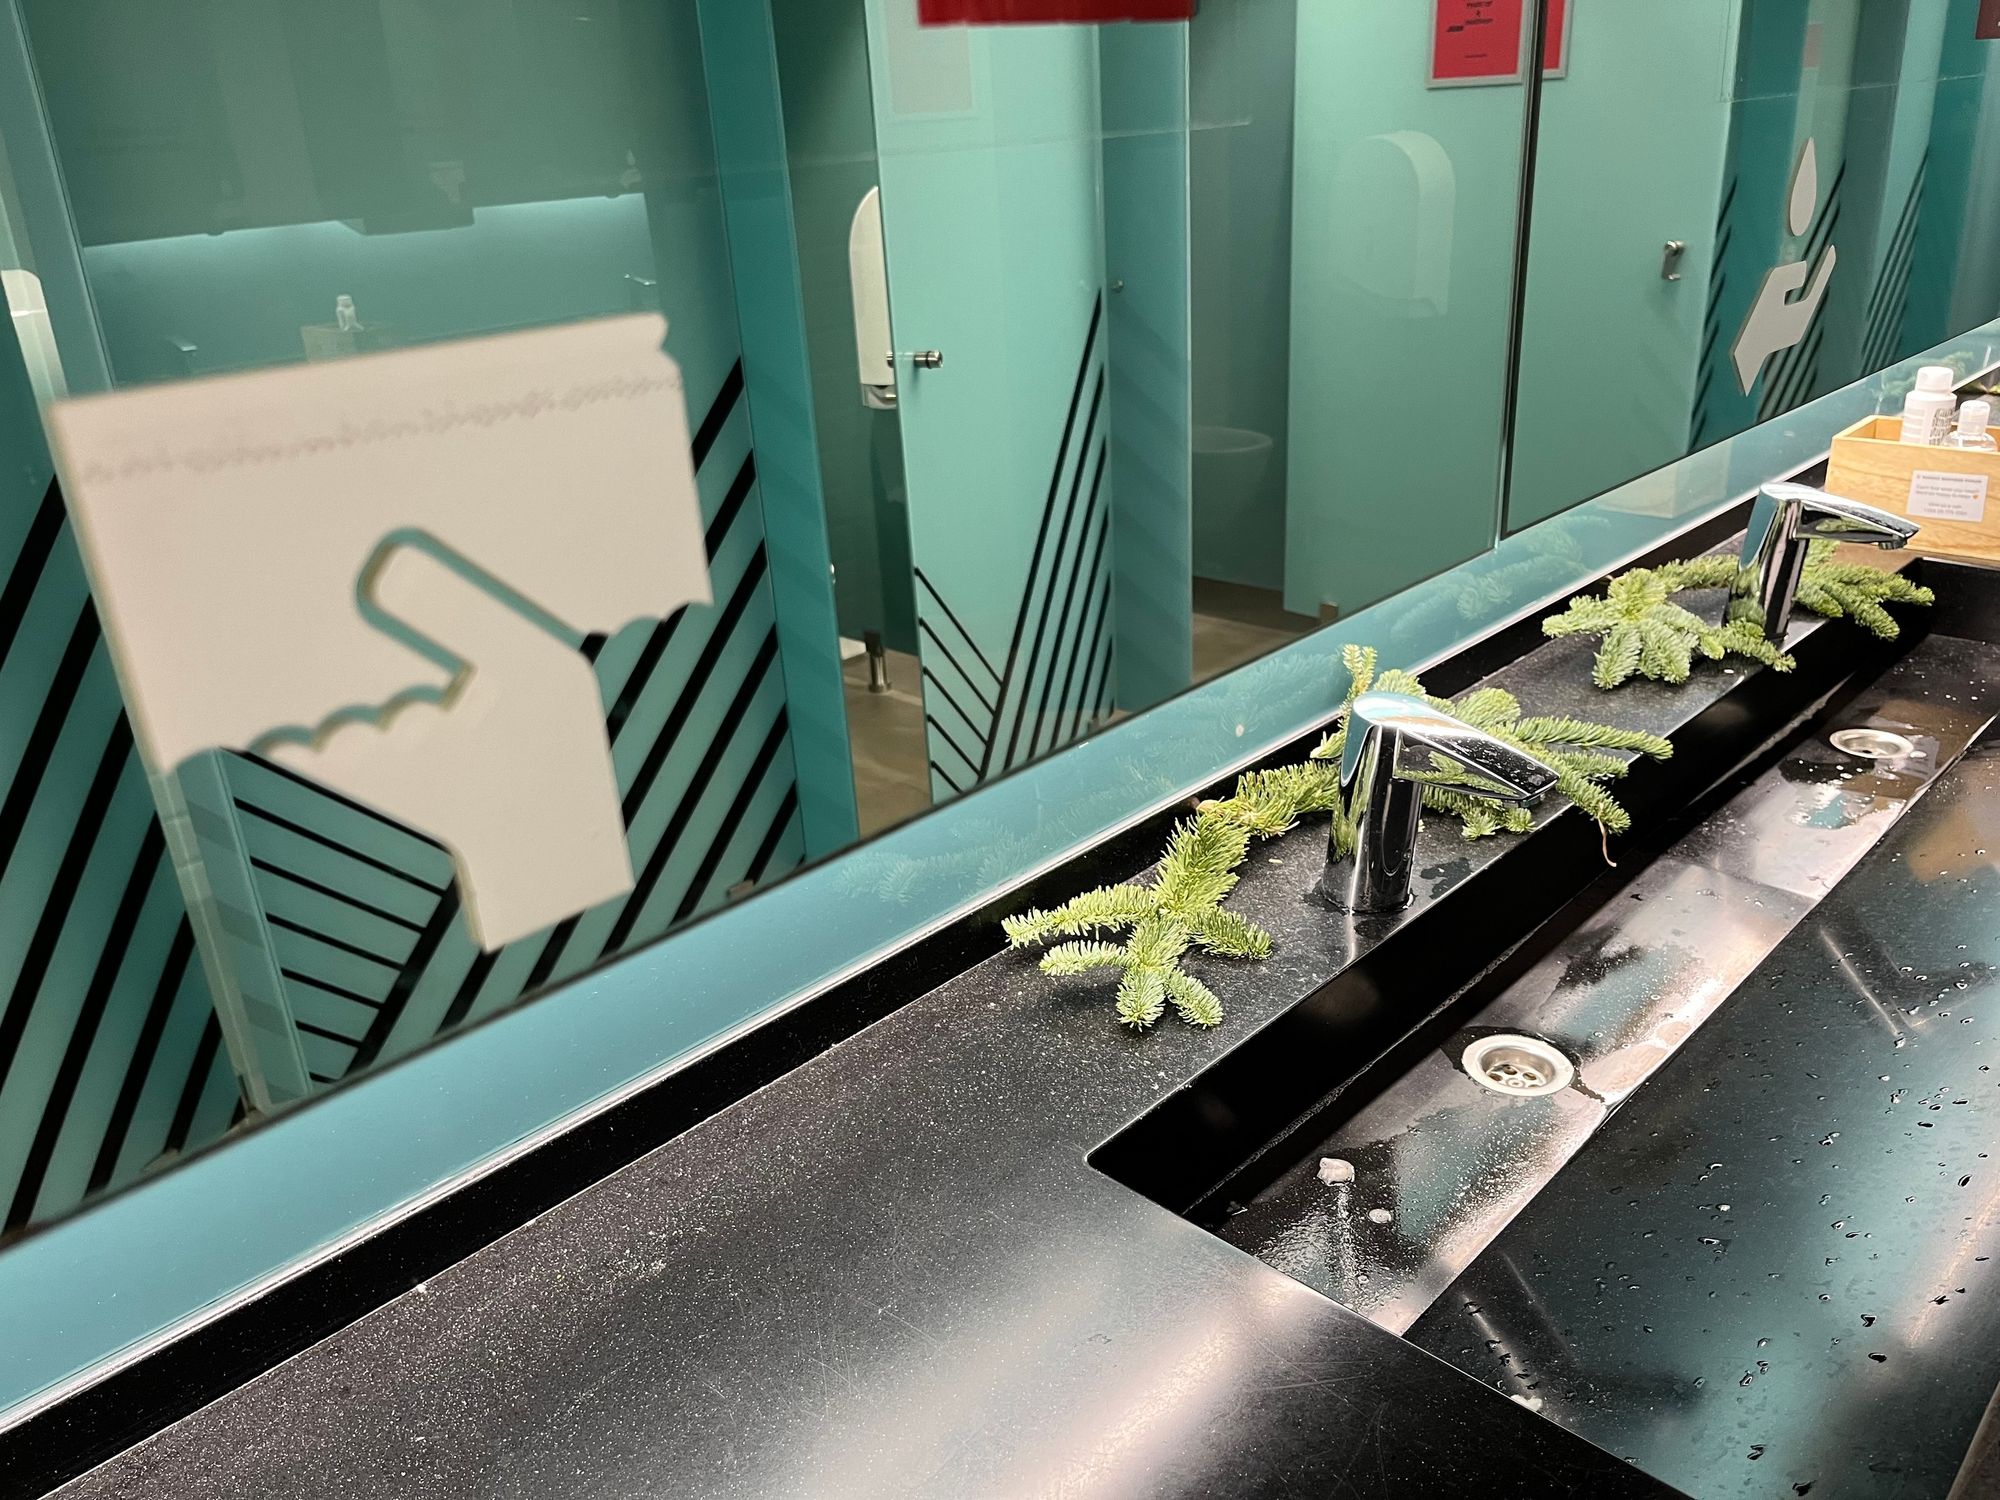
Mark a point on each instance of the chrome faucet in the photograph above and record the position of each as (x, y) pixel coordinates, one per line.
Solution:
(1382, 808)
(1783, 522)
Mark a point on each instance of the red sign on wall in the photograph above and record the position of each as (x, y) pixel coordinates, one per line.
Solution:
(1989, 20)
(1041, 12)
(1480, 41)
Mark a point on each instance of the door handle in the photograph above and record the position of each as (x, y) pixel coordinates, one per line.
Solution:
(923, 359)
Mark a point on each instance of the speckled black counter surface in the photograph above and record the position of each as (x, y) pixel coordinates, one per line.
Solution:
(893, 1273)
(1775, 1271)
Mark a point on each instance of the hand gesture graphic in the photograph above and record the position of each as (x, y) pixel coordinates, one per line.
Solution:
(539, 832)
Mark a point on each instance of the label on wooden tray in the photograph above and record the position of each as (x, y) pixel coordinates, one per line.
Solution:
(1947, 497)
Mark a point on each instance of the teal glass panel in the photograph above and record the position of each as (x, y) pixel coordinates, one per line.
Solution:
(1404, 217)
(1143, 78)
(991, 177)
(1693, 125)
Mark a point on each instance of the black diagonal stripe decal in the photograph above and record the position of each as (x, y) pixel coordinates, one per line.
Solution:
(718, 414)
(83, 1031)
(29, 564)
(1061, 582)
(326, 1034)
(780, 822)
(637, 681)
(49, 721)
(1091, 574)
(265, 815)
(642, 891)
(732, 819)
(945, 735)
(690, 693)
(1090, 704)
(286, 924)
(414, 968)
(1048, 590)
(111, 766)
(971, 724)
(1076, 575)
(656, 757)
(139, 1067)
(963, 676)
(664, 633)
(957, 624)
(467, 993)
(1055, 490)
(362, 808)
(314, 982)
(199, 1072)
(292, 877)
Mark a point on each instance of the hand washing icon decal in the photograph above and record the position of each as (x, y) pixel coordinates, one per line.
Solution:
(378, 572)
(1778, 319)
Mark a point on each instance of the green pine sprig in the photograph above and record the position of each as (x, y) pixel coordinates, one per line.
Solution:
(1180, 909)
(1576, 750)
(1646, 634)
(1643, 633)
(1857, 592)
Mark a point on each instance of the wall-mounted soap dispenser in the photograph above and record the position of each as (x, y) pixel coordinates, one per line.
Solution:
(868, 274)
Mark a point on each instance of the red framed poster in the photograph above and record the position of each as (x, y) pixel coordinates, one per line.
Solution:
(1042, 12)
(1479, 41)
(1989, 21)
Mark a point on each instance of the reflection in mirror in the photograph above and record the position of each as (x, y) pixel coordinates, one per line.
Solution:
(1033, 375)
(1071, 379)
(1740, 205)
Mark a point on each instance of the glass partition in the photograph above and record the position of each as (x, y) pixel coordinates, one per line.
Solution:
(1740, 205)
(1059, 400)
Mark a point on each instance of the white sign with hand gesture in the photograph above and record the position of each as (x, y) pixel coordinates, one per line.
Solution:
(377, 571)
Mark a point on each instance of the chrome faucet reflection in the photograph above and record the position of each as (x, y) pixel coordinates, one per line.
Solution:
(1381, 807)
(1786, 519)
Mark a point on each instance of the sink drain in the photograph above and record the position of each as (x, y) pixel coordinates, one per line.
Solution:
(1872, 744)
(1522, 1065)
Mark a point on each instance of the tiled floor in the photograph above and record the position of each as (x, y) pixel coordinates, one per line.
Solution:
(891, 778)
(1234, 624)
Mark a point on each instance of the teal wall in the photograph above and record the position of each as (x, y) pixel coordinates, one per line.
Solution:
(1631, 153)
(1143, 84)
(1403, 222)
(830, 132)
(1241, 60)
(988, 140)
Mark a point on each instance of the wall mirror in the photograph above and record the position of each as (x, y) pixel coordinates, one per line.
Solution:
(1036, 375)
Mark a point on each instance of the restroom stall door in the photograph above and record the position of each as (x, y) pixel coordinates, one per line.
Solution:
(990, 166)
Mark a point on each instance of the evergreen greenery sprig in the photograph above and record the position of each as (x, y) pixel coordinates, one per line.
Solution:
(1181, 909)
(1856, 591)
(1578, 752)
(1646, 634)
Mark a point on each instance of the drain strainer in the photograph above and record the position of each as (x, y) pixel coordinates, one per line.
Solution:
(1872, 744)
(1523, 1065)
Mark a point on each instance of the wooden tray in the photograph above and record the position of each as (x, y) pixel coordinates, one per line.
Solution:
(1952, 493)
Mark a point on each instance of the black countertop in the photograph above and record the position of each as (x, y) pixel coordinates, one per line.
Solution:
(893, 1272)
(1775, 1270)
